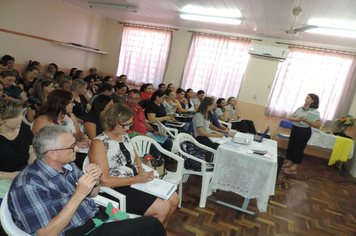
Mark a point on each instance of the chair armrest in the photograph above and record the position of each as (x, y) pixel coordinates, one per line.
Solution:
(225, 123)
(103, 201)
(172, 132)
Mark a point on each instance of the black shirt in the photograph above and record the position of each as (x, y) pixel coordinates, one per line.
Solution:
(79, 110)
(93, 118)
(14, 153)
(152, 107)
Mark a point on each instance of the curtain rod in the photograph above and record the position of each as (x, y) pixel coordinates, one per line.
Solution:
(147, 26)
(319, 48)
(221, 35)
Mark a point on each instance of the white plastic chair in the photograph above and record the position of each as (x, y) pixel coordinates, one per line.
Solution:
(172, 132)
(11, 228)
(24, 118)
(227, 124)
(206, 175)
(142, 146)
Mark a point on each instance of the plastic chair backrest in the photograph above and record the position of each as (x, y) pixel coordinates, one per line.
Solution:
(7, 222)
(24, 118)
(286, 124)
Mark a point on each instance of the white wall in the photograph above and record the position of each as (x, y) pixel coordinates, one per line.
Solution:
(53, 20)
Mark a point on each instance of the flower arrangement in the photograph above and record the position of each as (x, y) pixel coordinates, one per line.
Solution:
(346, 121)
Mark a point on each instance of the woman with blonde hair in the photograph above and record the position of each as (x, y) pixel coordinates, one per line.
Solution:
(113, 151)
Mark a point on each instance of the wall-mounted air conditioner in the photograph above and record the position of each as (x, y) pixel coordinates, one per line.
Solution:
(268, 51)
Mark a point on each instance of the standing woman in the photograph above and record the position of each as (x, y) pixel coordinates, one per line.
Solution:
(180, 96)
(301, 132)
(146, 91)
(188, 101)
(41, 89)
(28, 79)
(245, 126)
(203, 127)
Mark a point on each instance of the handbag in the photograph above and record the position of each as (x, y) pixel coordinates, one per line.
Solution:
(157, 163)
(195, 151)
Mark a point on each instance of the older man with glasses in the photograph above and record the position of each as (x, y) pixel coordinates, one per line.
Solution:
(51, 196)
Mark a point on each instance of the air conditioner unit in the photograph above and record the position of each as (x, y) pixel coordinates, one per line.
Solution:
(268, 51)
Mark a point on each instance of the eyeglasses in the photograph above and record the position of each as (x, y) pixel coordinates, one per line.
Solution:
(126, 126)
(135, 99)
(60, 149)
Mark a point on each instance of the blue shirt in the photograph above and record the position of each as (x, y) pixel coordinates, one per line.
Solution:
(214, 119)
(40, 192)
(13, 91)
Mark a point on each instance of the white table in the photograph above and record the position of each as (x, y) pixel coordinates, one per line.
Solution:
(249, 175)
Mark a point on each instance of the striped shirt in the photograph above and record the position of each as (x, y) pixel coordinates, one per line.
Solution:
(40, 192)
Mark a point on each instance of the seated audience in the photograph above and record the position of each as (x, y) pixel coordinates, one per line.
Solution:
(108, 80)
(92, 89)
(97, 78)
(2, 95)
(72, 72)
(169, 106)
(203, 127)
(65, 82)
(215, 120)
(41, 89)
(146, 91)
(79, 74)
(3, 66)
(15, 140)
(81, 105)
(52, 69)
(141, 126)
(52, 196)
(223, 115)
(121, 78)
(180, 96)
(113, 151)
(37, 66)
(198, 99)
(232, 114)
(119, 95)
(162, 87)
(57, 77)
(28, 80)
(92, 123)
(105, 89)
(10, 61)
(171, 86)
(57, 110)
(188, 101)
(8, 79)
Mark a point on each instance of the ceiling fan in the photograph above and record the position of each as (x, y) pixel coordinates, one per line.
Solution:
(293, 31)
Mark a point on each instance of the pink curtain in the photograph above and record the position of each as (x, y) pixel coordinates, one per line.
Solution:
(143, 55)
(216, 64)
(329, 75)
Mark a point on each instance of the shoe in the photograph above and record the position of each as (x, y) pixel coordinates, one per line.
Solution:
(290, 171)
(286, 166)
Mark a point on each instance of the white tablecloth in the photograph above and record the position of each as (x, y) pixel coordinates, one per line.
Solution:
(326, 141)
(249, 175)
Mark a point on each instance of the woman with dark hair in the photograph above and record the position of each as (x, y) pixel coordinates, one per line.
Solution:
(52, 69)
(72, 72)
(180, 96)
(198, 99)
(301, 132)
(8, 78)
(57, 76)
(119, 95)
(188, 100)
(92, 123)
(113, 151)
(11, 63)
(155, 110)
(108, 80)
(38, 67)
(92, 89)
(203, 127)
(42, 88)
(244, 126)
(57, 110)
(146, 91)
(79, 74)
(105, 89)
(28, 79)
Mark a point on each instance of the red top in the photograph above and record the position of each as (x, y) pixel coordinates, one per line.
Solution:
(145, 95)
(138, 119)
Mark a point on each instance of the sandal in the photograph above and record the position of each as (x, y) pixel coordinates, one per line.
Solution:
(286, 166)
(290, 171)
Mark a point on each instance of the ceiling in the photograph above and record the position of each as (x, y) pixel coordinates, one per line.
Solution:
(263, 19)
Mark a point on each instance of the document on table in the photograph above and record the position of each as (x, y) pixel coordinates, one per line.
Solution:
(157, 187)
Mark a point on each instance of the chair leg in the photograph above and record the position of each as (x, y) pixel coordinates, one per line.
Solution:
(185, 178)
(180, 190)
(204, 191)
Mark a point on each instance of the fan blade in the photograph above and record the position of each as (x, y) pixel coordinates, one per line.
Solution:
(304, 28)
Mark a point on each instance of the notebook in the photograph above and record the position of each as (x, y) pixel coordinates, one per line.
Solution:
(259, 138)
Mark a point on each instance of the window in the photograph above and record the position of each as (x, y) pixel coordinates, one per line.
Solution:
(143, 54)
(327, 74)
(216, 64)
